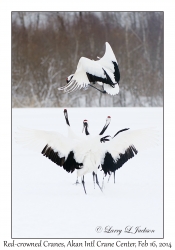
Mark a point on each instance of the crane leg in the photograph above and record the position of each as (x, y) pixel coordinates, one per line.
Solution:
(77, 182)
(109, 177)
(114, 176)
(103, 88)
(93, 174)
(83, 182)
(104, 92)
(98, 182)
(103, 182)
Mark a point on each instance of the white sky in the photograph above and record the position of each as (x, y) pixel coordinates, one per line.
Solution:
(5, 92)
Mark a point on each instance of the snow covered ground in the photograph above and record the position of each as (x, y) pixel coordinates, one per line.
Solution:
(47, 204)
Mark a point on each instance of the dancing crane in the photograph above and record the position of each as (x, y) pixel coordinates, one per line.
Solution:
(98, 140)
(104, 71)
(88, 154)
(64, 151)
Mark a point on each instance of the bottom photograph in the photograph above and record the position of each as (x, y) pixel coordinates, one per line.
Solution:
(87, 173)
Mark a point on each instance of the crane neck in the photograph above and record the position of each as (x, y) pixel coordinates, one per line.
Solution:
(66, 117)
(104, 129)
(122, 130)
(67, 121)
(86, 130)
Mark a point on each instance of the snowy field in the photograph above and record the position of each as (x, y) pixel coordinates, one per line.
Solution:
(47, 204)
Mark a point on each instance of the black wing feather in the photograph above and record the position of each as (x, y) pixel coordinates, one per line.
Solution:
(116, 72)
(94, 78)
(69, 164)
(111, 165)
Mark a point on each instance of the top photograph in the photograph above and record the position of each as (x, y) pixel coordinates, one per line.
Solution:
(87, 59)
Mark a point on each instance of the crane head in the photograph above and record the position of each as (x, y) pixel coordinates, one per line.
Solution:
(69, 78)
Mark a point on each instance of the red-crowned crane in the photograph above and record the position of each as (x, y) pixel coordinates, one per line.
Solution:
(73, 136)
(69, 153)
(104, 71)
(89, 153)
(100, 140)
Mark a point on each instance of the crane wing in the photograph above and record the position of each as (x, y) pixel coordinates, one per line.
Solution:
(43, 141)
(109, 62)
(53, 145)
(78, 81)
(96, 72)
(126, 145)
(108, 56)
(38, 139)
